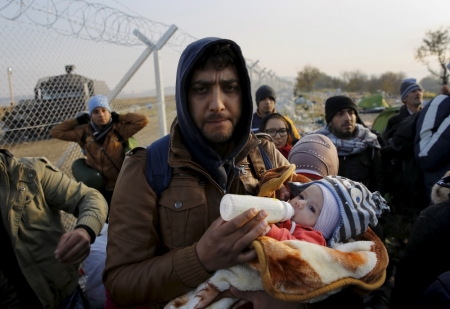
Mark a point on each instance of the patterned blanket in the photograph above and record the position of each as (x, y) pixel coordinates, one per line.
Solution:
(295, 270)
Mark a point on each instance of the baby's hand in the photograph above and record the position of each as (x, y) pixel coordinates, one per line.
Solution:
(267, 229)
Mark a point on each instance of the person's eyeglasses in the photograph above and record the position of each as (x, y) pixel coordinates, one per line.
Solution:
(273, 132)
(444, 182)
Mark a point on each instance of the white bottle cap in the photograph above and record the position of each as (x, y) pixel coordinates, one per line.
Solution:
(289, 211)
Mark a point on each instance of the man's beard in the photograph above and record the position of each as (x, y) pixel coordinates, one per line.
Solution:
(344, 134)
(217, 138)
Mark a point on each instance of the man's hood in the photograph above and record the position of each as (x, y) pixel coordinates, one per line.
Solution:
(193, 138)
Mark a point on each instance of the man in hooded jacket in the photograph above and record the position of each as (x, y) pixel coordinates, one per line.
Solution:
(160, 247)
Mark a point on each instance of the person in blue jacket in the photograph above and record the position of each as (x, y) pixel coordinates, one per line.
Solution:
(432, 141)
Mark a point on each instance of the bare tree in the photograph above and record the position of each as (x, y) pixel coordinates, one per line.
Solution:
(306, 79)
(390, 82)
(435, 45)
(355, 80)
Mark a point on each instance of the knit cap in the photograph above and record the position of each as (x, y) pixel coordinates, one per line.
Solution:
(263, 92)
(408, 85)
(315, 154)
(98, 101)
(329, 216)
(358, 206)
(336, 104)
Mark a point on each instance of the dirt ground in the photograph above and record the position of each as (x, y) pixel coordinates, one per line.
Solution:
(55, 149)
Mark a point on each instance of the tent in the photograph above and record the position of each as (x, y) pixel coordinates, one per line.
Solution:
(373, 101)
(379, 124)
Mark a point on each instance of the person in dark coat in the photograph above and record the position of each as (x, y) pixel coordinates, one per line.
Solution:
(412, 97)
(266, 99)
(426, 254)
(358, 147)
(432, 140)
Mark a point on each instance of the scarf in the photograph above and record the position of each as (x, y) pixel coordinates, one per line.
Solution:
(364, 138)
(100, 134)
(285, 150)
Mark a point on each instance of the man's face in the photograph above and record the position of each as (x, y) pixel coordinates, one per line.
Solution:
(100, 116)
(343, 123)
(266, 106)
(414, 98)
(215, 102)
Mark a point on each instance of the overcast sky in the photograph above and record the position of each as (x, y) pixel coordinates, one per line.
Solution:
(373, 36)
(334, 35)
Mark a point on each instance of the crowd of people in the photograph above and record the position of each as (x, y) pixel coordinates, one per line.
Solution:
(148, 226)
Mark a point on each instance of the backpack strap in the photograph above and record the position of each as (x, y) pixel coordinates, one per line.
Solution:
(157, 170)
(159, 173)
(265, 157)
(120, 138)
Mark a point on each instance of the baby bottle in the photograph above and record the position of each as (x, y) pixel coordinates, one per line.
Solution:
(232, 205)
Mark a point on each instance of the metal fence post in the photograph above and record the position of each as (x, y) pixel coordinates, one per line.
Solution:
(252, 84)
(158, 80)
(11, 94)
(160, 95)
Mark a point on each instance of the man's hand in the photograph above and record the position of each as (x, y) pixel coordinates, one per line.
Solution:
(283, 193)
(83, 118)
(262, 300)
(115, 117)
(225, 244)
(73, 247)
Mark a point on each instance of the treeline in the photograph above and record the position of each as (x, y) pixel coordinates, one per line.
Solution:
(311, 78)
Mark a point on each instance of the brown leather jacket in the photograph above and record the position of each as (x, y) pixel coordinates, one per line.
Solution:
(128, 125)
(156, 260)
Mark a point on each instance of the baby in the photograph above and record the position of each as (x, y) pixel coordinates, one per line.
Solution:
(329, 210)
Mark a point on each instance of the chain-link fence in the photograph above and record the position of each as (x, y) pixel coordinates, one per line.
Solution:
(54, 58)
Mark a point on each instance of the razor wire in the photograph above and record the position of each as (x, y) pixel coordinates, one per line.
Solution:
(91, 21)
(58, 54)
(42, 39)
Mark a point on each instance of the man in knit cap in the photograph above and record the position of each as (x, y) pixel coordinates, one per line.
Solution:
(265, 101)
(358, 147)
(102, 134)
(412, 96)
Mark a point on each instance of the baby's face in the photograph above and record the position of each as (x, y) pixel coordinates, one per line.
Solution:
(307, 206)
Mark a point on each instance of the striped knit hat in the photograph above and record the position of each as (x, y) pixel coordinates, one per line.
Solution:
(408, 85)
(358, 206)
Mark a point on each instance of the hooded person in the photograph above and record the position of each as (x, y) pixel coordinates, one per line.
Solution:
(176, 240)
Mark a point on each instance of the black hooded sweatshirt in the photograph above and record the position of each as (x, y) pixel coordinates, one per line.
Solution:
(200, 149)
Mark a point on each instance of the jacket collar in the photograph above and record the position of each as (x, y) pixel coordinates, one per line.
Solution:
(179, 154)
